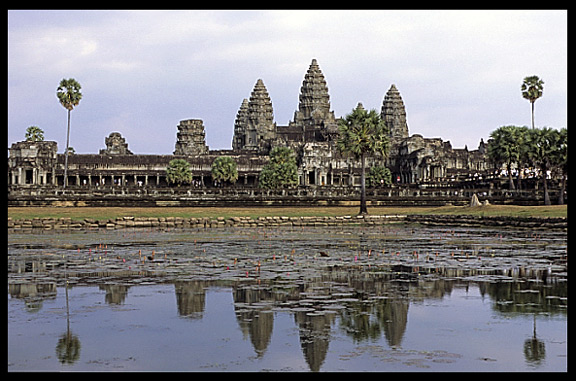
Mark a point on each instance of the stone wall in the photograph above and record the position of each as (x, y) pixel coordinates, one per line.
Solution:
(129, 222)
(250, 197)
(204, 222)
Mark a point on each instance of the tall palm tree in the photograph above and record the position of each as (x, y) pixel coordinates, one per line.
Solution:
(69, 95)
(363, 133)
(532, 89)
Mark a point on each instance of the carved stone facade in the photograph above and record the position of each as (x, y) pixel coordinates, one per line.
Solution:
(313, 119)
(312, 134)
(254, 128)
(32, 163)
(115, 145)
(394, 113)
(190, 139)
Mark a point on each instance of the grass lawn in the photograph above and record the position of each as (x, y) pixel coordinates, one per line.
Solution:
(104, 213)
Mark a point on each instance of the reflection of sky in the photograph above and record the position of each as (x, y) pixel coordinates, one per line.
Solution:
(146, 333)
(467, 321)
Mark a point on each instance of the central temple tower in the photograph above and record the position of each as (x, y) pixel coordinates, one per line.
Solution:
(313, 117)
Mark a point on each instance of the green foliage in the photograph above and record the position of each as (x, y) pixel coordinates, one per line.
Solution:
(281, 171)
(532, 88)
(34, 134)
(545, 148)
(363, 132)
(178, 172)
(379, 176)
(507, 145)
(224, 169)
(68, 93)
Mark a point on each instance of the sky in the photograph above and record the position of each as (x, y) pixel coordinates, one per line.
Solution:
(142, 72)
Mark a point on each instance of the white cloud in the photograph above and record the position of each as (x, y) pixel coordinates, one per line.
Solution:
(453, 68)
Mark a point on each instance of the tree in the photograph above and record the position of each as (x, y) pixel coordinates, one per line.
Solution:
(561, 160)
(178, 172)
(363, 133)
(281, 171)
(505, 147)
(544, 144)
(379, 175)
(532, 89)
(224, 169)
(34, 134)
(69, 95)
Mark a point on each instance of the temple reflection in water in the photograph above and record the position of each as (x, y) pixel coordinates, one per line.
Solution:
(363, 305)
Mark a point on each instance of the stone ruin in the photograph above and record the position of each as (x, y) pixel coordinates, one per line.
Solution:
(190, 139)
(115, 145)
(312, 135)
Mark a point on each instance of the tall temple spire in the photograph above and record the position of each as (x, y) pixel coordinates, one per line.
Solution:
(260, 112)
(313, 116)
(394, 113)
(239, 139)
(254, 128)
(314, 92)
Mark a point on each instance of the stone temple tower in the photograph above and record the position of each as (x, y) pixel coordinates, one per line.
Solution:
(394, 113)
(254, 128)
(239, 139)
(313, 116)
(190, 139)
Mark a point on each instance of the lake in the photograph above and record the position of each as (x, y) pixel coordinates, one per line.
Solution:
(389, 298)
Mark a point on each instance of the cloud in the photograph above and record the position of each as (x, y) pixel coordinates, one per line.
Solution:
(454, 69)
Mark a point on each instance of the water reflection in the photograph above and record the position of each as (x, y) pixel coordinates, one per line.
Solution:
(68, 347)
(364, 290)
(364, 306)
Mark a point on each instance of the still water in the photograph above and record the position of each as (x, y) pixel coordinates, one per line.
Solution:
(400, 298)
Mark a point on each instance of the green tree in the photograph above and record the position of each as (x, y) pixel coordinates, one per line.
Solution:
(532, 88)
(561, 160)
(379, 175)
(281, 171)
(544, 146)
(34, 134)
(505, 146)
(178, 172)
(69, 95)
(363, 133)
(224, 169)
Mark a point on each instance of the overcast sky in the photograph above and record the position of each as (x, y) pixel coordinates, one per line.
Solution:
(459, 72)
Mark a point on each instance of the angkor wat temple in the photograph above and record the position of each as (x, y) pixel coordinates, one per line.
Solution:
(312, 135)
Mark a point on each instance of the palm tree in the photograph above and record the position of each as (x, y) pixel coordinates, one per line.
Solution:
(34, 134)
(224, 169)
(504, 148)
(561, 161)
(363, 133)
(544, 144)
(69, 95)
(532, 89)
(178, 172)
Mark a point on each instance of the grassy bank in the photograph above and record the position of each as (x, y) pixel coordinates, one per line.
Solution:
(113, 212)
